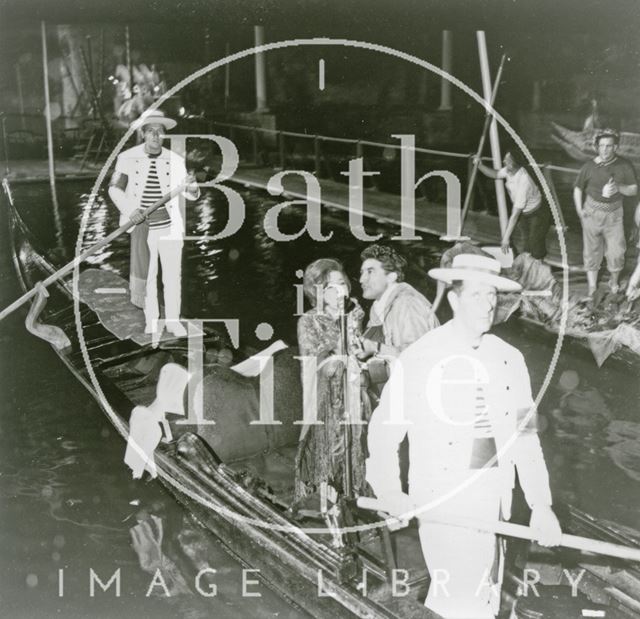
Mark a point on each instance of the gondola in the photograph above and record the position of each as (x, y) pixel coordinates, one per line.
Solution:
(606, 323)
(579, 144)
(228, 495)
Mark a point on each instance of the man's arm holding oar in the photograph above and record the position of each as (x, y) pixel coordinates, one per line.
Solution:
(501, 528)
(135, 219)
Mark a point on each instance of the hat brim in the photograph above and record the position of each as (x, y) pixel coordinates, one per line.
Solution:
(502, 284)
(167, 123)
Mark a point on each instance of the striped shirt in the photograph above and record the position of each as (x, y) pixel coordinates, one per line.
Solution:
(152, 193)
(481, 423)
(484, 444)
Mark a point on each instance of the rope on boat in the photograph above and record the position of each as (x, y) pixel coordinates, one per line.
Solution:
(50, 333)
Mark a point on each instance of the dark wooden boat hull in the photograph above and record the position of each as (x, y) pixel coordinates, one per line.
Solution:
(309, 574)
(289, 560)
(580, 144)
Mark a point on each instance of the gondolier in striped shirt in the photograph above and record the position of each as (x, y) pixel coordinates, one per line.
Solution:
(597, 195)
(463, 398)
(144, 174)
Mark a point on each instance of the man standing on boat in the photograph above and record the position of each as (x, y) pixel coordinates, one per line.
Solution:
(633, 288)
(597, 195)
(464, 399)
(528, 207)
(399, 314)
(144, 174)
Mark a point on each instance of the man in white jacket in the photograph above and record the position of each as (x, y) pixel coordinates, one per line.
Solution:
(464, 399)
(144, 174)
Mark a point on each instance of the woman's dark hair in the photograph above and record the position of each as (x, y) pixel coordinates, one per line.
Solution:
(317, 274)
(389, 258)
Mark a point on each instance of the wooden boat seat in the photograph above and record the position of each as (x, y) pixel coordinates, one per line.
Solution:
(275, 468)
(233, 402)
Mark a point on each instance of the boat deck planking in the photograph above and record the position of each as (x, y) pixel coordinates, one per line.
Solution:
(431, 218)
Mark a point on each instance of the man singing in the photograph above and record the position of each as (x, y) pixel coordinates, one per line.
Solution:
(399, 314)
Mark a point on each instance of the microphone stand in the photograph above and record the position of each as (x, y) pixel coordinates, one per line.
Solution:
(348, 564)
(344, 354)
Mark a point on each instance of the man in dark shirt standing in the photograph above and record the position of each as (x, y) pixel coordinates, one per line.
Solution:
(597, 195)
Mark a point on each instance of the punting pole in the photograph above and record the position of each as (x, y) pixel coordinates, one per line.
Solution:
(347, 430)
(493, 130)
(101, 82)
(5, 150)
(227, 76)
(20, 95)
(67, 268)
(127, 47)
(207, 57)
(447, 62)
(47, 114)
(483, 137)
(261, 71)
(520, 531)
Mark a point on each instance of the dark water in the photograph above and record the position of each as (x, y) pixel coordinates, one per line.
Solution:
(65, 501)
(66, 493)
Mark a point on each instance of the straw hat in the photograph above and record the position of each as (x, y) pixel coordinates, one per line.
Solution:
(155, 117)
(471, 267)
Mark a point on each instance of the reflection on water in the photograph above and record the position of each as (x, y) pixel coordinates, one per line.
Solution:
(68, 503)
(580, 409)
(63, 475)
(230, 277)
(624, 448)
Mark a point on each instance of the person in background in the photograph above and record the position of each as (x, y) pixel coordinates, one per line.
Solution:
(597, 196)
(144, 174)
(399, 314)
(633, 288)
(528, 206)
(592, 121)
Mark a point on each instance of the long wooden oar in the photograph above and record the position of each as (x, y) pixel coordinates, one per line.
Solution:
(65, 270)
(517, 530)
(483, 137)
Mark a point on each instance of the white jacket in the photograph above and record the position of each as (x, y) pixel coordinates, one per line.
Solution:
(427, 378)
(130, 176)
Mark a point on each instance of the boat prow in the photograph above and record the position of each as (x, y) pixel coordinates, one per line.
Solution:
(580, 144)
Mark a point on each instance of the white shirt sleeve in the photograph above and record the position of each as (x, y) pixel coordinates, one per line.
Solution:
(528, 457)
(117, 187)
(387, 428)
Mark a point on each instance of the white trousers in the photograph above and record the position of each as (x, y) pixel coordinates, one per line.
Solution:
(465, 565)
(167, 251)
